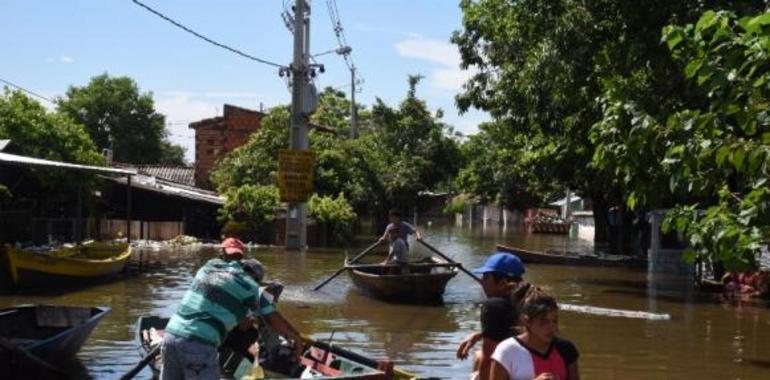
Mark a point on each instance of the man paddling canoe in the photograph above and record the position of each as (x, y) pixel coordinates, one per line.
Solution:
(223, 294)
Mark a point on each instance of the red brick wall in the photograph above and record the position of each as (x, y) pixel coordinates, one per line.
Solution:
(218, 136)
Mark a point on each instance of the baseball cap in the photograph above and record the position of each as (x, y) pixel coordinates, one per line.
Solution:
(504, 263)
(233, 247)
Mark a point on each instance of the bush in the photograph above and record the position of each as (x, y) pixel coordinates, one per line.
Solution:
(457, 204)
(336, 214)
(249, 204)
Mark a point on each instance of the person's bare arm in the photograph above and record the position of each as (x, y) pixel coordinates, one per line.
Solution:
(498, 372)
(467, 344)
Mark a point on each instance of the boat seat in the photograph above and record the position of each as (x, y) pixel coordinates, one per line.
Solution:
(54, 316)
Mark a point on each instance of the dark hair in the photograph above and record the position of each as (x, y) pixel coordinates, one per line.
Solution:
(394, 212)
(498, 276)
(537, 303)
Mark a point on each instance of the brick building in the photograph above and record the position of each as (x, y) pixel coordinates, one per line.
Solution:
(216, 136)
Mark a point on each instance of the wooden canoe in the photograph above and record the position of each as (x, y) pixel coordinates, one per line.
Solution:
(319, 361)
(50, 332)
(535, 257)
(71, 265)
(424, 282)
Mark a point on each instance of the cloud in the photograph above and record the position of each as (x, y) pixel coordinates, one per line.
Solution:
(66, 60)
(181, 108)
(379, 30)
(447, 76)
(430, 50)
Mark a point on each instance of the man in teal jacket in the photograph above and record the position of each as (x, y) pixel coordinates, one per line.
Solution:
(223, 295)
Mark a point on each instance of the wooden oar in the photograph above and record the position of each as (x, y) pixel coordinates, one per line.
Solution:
(142, 363)
(436, 251)
(360, 255)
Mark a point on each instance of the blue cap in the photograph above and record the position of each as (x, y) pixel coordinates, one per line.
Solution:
(504, 263)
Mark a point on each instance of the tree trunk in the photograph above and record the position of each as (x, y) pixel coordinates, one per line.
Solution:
(601, 227)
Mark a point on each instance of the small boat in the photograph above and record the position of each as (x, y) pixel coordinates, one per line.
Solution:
(319, 361)
(552, 258)
(50, 332)
(419, 282)
(547, 222)
(67, 264)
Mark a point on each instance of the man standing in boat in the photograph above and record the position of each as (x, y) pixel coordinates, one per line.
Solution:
(404, 229)
(223, 294)
(504, 288)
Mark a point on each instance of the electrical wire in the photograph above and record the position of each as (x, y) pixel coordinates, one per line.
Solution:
(339, 32)
(209, 40)
(27, 91)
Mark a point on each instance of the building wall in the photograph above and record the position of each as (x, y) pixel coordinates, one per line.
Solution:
(218, 136)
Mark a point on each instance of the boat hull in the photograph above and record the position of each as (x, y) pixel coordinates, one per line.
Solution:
(236, 363)
(51, 332)
(421, 285)
(535, 257)
(66, 266)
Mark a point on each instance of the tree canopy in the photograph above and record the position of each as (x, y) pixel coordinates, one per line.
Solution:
(45, 134)
(401, 152)
(542, 65)
(118, 117)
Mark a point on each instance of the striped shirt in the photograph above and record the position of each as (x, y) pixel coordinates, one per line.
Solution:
(221, 295)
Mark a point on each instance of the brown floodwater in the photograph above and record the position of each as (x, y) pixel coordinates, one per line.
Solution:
(704, 338)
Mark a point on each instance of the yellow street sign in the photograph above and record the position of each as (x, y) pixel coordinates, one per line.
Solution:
(295, 175)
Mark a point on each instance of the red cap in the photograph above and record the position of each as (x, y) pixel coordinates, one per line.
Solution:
(233, 247)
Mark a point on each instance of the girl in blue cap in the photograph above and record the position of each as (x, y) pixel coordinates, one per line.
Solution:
(504, 288)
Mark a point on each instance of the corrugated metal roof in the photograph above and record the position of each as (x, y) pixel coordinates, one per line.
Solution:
(172, 189)
(18, 160)
(180, 174)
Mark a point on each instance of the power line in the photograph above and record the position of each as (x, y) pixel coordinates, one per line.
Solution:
(339, 31)
(27, 91)
(209, 40)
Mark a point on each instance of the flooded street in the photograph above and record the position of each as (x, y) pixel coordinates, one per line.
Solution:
(703, 339)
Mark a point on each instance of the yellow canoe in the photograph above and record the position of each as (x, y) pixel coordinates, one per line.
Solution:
(91, 260)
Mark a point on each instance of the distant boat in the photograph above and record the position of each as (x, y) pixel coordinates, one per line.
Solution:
(50, 332)
(419, 282)
(67, 264)
(536, 257)
(319, 361)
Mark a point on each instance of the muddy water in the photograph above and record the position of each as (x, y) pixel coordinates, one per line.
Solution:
(704, 338)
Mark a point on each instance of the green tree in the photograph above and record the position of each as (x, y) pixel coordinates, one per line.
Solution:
(491, 170)
(400, 152)
(48, 135)
(336, 214)
(118, 117)
(541, 65)
(723, 148)
(413, 150)
(256, 162)
(250, 204)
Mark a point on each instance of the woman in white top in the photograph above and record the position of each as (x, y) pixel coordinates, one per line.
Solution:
(537, 353)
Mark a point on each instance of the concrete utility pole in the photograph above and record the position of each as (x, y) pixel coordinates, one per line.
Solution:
(353, 110)
(296, 225)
